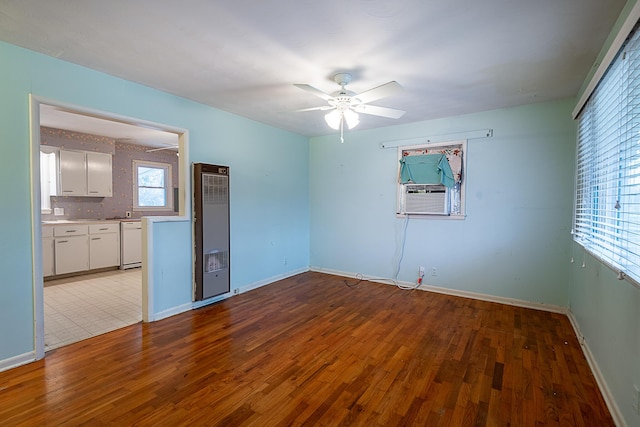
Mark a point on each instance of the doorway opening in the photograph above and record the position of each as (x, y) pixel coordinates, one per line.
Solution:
(104, 295)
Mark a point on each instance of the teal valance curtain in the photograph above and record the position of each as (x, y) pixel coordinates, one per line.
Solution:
(426, 169)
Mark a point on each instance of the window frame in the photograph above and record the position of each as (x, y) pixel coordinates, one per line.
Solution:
(48, 178)
(168, 186)
(606, 222)
(434, 146)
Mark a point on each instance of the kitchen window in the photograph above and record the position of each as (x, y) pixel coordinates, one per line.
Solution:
(152, 186)
(48, 178)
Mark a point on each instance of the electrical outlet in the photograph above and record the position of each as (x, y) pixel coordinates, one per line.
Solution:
(434, 272)
(286, 261)
(236, 291)
(58, 211)
(421, 271)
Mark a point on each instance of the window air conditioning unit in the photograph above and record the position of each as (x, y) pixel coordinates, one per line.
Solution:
(424, 199)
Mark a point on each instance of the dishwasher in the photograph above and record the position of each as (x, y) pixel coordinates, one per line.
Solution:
(130, 244)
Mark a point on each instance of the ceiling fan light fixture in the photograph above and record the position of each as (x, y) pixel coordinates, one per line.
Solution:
(345, 105)
(333, 119)
(352, 118)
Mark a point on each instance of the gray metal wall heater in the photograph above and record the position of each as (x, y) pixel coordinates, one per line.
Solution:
(211, 229)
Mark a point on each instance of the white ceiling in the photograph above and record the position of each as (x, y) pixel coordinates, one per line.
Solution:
(243, 56)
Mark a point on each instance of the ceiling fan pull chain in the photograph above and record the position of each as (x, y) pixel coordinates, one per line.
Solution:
(342, 129)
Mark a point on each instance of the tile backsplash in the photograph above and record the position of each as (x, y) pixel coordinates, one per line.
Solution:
(122, 161)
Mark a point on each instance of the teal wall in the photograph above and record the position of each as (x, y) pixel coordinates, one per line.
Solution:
(515, 240)
(269, 184)
(607, 311)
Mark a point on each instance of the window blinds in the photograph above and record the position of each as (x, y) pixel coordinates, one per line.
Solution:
(607, 205)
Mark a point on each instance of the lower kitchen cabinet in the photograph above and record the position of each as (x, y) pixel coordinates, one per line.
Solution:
(48, 263)
(72, 254)
(79, 247)
(104, 246)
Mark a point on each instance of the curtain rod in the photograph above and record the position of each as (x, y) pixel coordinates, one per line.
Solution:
(474, 134)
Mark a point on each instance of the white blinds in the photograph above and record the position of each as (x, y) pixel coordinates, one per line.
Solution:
(607, 213)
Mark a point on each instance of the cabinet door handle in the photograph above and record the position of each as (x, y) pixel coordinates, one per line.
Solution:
(92, 191)
(71, 231)
(102, 229)
(62, 241)
(95, 238)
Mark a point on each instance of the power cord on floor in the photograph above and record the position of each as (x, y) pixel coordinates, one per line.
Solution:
(394, 280)
(395, 277)
(359, 277)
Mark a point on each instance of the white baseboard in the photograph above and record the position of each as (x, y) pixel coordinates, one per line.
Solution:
(171, 312)
(272, 279)
(597, 373)
(249, 287)
(453, 292)
(15, 361)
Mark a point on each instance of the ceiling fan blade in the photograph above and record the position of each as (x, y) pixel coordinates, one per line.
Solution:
(374, 110)
(313, 90)
(379, 92)
(326, 107)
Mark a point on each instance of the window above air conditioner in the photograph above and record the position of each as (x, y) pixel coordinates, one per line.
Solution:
(431, 180)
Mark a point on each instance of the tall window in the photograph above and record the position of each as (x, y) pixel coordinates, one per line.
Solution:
(607, 205)
(152, 186)
(48, 182)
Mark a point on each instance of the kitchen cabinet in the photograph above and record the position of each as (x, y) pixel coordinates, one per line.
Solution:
(71, 246)
(48, 265)
(84, 173)
(79, 246)
(99, 175)
(73, 173)
(104, 245)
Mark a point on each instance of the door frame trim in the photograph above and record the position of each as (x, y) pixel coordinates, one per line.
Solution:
(184, 185)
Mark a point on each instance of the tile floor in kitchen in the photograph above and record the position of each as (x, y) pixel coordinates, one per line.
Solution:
(81, 307)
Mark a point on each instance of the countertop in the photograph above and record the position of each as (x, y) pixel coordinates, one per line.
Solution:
(88, 221)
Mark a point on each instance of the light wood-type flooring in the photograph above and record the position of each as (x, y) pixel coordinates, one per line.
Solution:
(310, 350)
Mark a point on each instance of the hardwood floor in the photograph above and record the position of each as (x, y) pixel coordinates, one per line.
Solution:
(310, 350)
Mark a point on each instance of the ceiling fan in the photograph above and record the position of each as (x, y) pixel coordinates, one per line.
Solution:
(345, 105)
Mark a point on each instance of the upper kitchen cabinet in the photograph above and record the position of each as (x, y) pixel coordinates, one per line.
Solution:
(85, 174)
(99, 175)
(72, 173)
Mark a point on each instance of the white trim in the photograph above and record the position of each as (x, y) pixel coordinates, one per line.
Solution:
(179, 309)
(492, 298)
(270, 280)
(19, 360)
(36, 230)
(457, 136)
(147, 271)
(453, 292)
(618, 419)
(199, 304)
(249, 287)
(616, 44)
